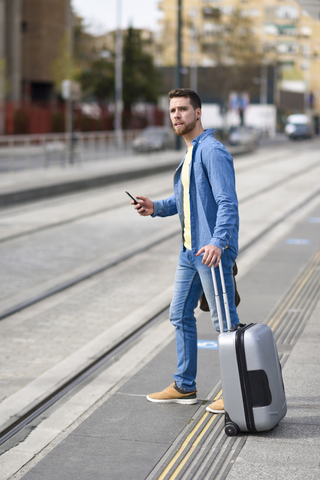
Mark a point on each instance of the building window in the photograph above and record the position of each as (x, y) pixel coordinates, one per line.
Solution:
(305, 49)
(287, 30)
(288, 12)
(283, 48)
(270, 29)
(306, 31)
(250, 13)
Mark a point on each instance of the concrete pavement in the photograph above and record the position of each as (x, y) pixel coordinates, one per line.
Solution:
(26, 185)
(127, 437)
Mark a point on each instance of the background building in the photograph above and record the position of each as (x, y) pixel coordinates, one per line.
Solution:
(287, 37)
(31, 35)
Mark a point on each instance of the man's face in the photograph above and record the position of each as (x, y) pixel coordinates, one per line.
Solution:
(182, 115)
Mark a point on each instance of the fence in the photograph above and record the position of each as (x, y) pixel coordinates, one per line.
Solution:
(20, 152)
(23, 118)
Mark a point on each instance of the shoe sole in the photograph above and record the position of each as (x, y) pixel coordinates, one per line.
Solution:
(214, 411)
(182, 401)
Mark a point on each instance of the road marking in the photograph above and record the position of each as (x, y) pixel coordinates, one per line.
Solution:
(296, 288)
(208, 344)
(298, 241)
(186, 442)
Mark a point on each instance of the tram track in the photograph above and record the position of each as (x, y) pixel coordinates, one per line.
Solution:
(205, 452)
(36, 410)
(124, 256)
(20, 421)
(136, 251)
(240, 170)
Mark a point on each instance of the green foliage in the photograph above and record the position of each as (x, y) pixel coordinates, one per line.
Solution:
(64, 65)
(291, 74)
(98, 79)
(4, 86)
(141, 79)
(140, 76)
(233, 42)
(236, 51)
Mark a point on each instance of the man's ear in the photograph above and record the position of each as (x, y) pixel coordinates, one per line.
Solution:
(198, 113)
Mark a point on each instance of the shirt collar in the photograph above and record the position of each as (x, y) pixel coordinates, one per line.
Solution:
(203, 135)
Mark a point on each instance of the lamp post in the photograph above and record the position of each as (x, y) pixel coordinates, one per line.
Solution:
(178, 66)
(194, 61)
(118, 79)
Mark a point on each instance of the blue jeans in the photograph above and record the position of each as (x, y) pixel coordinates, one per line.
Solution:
(192, 279)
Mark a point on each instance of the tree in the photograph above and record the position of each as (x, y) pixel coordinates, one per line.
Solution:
(98, 79)
(141, 79)
(74, 53)
(235, 49)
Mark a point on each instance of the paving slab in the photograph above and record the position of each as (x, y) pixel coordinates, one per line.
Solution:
(291, 450)
(127, 436)
(21, 186)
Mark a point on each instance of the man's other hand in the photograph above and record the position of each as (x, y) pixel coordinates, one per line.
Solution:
(211, 255)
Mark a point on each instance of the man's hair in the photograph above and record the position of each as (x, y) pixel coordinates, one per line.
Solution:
(187, 93)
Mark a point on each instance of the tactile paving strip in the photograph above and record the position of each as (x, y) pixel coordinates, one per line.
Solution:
(203, 450)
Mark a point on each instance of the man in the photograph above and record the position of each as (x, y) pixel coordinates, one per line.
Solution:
(206, 202)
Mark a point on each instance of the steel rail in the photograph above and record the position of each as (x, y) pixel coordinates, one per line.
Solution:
(36, 410)
(85, 276)
(92, 367)
(73, 281)
(241, 169)
(88, 370)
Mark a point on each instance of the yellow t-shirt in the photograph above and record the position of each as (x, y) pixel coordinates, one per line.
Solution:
(186, 198)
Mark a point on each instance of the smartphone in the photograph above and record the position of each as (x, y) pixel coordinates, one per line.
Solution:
(134, 199)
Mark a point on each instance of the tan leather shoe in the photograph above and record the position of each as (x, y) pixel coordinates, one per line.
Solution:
(216, 407)
(173, 395)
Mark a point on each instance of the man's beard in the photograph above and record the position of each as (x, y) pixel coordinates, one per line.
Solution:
(187, 128)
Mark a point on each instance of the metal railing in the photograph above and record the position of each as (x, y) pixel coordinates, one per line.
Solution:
(20, 152)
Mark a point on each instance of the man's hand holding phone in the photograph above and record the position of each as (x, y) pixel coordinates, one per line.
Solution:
(143, 205)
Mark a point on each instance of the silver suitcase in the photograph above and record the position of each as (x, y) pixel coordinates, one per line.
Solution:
(251, 378)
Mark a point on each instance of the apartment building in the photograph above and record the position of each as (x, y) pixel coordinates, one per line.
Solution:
(286, 35)
(31, 32)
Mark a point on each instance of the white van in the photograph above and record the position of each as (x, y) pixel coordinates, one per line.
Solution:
(298, 126)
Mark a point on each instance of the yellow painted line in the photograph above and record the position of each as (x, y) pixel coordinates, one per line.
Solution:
(185, 459)
(275, 320)
(186, 442)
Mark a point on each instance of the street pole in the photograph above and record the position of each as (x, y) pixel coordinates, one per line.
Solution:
(264, 84)
(178, 66)
(194, 46)
(118, 79)
(68, 87)
(2, 65)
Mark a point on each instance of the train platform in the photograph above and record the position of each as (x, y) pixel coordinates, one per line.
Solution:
(123, 436)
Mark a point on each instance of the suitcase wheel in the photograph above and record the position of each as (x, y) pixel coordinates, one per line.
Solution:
(231, 429)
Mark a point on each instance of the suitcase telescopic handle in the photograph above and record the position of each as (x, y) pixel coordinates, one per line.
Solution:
(217, 298)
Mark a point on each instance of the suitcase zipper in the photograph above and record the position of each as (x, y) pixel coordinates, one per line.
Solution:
(244, 378)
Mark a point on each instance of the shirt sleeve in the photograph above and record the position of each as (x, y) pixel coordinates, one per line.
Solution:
(165, 208)
(221, 175)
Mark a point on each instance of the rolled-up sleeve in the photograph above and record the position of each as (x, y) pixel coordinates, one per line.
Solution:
(165, 208)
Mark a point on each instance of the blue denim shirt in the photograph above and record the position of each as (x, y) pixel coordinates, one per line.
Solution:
(213, 198)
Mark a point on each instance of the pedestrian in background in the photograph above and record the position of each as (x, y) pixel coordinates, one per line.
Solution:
(206, 201)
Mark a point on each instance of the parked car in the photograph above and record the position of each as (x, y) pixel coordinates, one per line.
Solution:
(154, 139)
(244, 136)
(298, 127)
